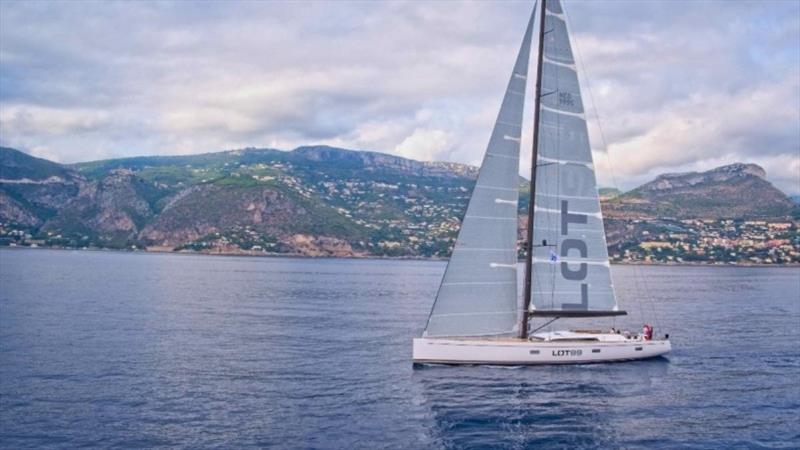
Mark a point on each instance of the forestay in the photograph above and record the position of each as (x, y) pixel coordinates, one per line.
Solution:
(478, 294)
(572, 272)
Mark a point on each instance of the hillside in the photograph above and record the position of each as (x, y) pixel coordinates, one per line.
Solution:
(731, 192)
(314, 201)
(33, 190)
(16, 165)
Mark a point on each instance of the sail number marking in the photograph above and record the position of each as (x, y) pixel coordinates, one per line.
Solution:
(580, 246)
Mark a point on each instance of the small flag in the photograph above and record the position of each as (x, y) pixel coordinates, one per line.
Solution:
(553, 257)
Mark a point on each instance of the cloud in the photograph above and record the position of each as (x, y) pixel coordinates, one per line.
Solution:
(37, 120)
(676, 84)
(425, 144)
(708, 125)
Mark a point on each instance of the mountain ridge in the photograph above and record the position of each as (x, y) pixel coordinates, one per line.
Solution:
(313, 200)
(732, 191)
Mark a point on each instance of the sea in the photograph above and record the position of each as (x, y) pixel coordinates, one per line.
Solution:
(135, 350)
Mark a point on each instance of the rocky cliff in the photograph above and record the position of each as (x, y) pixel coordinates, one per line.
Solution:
(733, 191)
(319, 201)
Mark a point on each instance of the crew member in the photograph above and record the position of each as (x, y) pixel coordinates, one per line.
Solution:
(647, 331)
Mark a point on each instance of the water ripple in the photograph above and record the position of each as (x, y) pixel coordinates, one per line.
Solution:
(111, 350)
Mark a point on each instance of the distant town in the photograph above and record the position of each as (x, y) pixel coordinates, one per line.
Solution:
(712, 242)
(721, 242)
(323, 201)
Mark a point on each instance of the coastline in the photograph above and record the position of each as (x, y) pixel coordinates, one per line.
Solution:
(372, 257)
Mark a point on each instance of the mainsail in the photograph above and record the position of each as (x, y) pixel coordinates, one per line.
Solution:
(478, 294)
(570, 272)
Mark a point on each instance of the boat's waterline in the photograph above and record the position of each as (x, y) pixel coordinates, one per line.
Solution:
(525, 352)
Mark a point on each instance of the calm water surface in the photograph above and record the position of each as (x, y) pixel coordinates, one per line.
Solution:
(117, 350)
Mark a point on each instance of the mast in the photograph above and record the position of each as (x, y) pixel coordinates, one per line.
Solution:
(523, 328)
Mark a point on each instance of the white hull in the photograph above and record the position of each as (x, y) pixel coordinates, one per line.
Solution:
(509, 351)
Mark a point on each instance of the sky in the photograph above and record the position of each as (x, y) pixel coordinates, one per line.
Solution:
(670, 86)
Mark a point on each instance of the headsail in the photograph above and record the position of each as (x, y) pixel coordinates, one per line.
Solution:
(478, 294)
(572, 273)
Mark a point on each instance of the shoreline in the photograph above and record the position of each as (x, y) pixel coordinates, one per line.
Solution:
(370, 257)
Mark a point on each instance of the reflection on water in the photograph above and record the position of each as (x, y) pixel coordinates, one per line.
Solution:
(524, 407)
(105, 349)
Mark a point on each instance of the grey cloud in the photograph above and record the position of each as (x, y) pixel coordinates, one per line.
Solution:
(178, 77)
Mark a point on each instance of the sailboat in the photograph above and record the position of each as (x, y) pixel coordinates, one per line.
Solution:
(477, 317)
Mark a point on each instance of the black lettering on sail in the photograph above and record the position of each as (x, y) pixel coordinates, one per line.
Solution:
(568, 218)
(584, 304)
(581, 247)
(568, 273)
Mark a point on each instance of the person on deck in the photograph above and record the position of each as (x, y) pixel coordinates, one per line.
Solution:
(647, 332)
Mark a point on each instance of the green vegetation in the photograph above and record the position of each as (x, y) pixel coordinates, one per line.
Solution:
(322, 200)
(16, 165)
